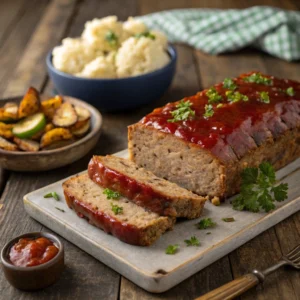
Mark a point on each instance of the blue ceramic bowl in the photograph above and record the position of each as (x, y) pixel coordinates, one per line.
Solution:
(115, 94)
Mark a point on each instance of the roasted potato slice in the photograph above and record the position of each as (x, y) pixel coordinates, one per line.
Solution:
(55, 135)
(82, 130)
(39, 134)
(27, 145)
(30, 103)
(6, 145)
(65, 115)
(9, 112)
(6, 130)
(51, 105)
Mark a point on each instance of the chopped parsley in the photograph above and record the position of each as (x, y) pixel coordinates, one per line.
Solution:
(220, 105)
(259, 79)
(205, 223)
(111, 38)
(235, 97)
(60, 209)
(111, 194)
(290, 91)
(229, 84)
(182, 112)
(228, 219)
(209, 111)
(213, 96)
(146, 34)
(264, 97)
(193, 241)
(258, 189)
(116, 209)
(52, 195)
(172, 249)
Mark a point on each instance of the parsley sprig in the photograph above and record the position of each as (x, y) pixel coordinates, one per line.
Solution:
(229, 84)
(146, 34)
(209, 111)
(205, 223)
(259, 79)
(258, 189)
(111, 194)
(213, 96)
(182, 112)
(290, 91)
(52, 195)
(172, 249)
(111, 38)
(116, 209)
(264, 97)
(235, 96)
(193, 241)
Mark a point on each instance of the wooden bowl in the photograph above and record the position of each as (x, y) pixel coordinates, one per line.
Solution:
(44, 160)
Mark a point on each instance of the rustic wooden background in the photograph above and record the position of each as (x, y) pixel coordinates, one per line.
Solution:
(28, 30)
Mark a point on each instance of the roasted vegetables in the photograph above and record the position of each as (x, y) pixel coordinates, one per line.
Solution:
(34, 125)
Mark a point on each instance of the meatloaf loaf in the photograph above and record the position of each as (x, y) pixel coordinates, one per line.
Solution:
(132, 224)
(204, 141)
(144, 188)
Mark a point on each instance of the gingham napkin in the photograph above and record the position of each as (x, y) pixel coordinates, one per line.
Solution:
(214, 31)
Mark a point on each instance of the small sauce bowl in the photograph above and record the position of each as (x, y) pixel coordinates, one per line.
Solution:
(36, 277)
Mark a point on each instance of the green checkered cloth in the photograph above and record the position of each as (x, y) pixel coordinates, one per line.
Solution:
(215, 31)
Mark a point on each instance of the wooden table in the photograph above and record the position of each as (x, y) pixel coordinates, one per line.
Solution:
(28, 30)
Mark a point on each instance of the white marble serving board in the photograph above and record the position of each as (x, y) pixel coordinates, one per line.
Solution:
(150, 267)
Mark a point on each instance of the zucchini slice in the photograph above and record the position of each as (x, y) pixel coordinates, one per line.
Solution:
(82, 113)
(30, 103)
(82, 130)
(6, 145)
(27, 145)
(54, 135)
(65, 115)
(29, 126)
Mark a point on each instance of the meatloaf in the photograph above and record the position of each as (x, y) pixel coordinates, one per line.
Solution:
(133, 225)
(204, 141)
(144, 188)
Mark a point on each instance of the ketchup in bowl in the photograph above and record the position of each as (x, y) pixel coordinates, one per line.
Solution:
(29, 252)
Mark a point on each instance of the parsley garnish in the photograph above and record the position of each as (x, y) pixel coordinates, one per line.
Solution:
(264, 97)
(213, 96)
(220, 105)
(193, 241)
(205, 223)
(259, 79)
(258, 189)
(172, 249)
(116, 209)
(229, 84)
(60, 209)
(52, 195)
(235, 97)
(209, 111)
(183, 111)
(290, 91)
(228, 219)
(111, 194)
(111, 38)
(146, 34)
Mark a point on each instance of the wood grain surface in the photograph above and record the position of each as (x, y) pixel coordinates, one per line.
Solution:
(28, 30)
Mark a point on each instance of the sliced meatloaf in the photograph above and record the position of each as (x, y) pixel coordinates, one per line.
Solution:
(235, 124)
(144, 188)
(131, 223)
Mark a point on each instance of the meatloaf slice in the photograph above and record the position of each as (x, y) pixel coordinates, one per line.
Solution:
(253, 119)
(144, 188)
(134, 225)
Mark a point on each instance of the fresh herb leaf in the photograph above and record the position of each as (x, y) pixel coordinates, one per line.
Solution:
(235, 96)
(193, 241)
(258, 190)
(182, 112)
(60, 209)
(264, 97)
(146, 34)
(229, 84)
(290, 91)
(205, 223)
(220, 105)
(111, 38)
(111, 194)
(259, 79)
(228, 219)
(116, 209)
(213, 96)
(172, 249)
(52, 195)
(209, 111)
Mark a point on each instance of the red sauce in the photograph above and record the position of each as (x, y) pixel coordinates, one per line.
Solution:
(138, 192)
(205, 132)
(32, 252)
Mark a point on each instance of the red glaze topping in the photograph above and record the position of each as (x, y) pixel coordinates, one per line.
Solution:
(138, 192)
(206, 132)
(125, 232)
(32, 252)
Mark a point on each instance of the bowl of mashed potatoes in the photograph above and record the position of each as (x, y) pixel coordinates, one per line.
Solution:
(113, 65)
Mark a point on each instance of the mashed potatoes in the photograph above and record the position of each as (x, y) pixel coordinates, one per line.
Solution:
(112, 49)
